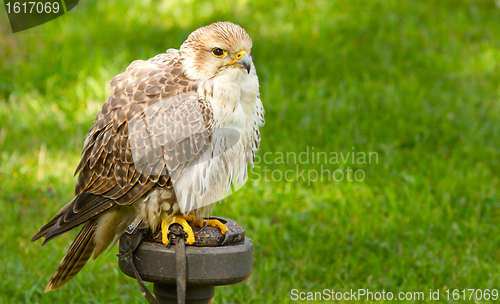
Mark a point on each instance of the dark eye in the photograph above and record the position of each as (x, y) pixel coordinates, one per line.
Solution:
(217, 52)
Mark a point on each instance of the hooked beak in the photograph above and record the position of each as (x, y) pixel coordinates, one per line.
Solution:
(243, 60)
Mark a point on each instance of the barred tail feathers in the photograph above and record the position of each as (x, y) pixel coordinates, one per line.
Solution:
(78, 254)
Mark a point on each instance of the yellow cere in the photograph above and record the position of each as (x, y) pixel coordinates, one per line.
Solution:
(238, 56)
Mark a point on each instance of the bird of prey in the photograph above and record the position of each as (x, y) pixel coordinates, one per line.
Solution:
(177, 132)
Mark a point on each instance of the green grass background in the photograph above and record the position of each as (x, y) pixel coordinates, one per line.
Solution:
(418, 82)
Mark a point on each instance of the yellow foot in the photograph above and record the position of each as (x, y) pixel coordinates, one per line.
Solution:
(214, 223)
(181, 220)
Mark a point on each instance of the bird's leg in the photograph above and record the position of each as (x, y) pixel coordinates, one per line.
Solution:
(212, 222)
(181, 220)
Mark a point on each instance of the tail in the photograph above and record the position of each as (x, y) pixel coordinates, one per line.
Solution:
(46, 229)
(76, 257)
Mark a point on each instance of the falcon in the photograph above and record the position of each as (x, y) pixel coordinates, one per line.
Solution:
(175, 137)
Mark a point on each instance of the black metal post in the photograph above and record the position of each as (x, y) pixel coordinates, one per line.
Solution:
(167, 294)
(196, 270)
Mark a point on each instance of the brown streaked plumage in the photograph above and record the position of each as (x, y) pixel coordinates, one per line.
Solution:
(155, 149)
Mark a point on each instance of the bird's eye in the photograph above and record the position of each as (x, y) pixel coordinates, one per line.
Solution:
(217, 52)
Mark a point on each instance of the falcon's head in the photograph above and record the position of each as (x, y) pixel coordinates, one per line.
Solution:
(217, 49)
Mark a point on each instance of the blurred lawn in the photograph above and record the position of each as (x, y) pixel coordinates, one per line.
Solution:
(417, 82)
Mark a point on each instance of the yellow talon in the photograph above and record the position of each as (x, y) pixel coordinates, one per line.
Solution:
(181, 220)
(164, 232)
(212, 222)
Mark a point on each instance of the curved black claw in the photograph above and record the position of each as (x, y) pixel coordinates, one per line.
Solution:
(205, 224)
(226, 238)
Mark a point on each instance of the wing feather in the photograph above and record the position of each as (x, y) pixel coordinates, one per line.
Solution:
(175, 122)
